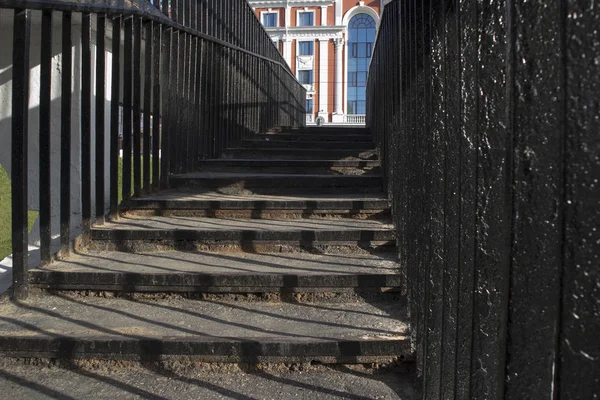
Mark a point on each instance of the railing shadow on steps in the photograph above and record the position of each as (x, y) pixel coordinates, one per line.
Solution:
(151, 362)
(194, 77)
(486, 118)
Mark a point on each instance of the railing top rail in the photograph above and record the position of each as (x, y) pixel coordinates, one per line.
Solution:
(139, 8)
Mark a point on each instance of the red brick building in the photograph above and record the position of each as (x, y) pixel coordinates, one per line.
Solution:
(328, 45)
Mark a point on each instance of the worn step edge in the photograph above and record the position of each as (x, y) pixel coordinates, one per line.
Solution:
(278, 163)
(207, 349)
(174, 211)
(277, 181)
(207, 280)
(314, 137)
(268, 293)
(251, 144)
(242, 235)
(324, 131)
(315, 150)
(261, 205)
(257, 247)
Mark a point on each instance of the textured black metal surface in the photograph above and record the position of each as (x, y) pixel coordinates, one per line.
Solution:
(538, 185)
(128, 56)
(86, 119)
(579, 347)
(65, 133)
(100, 125)
(147, 110)
(489, 143)
(20, 233)
(45, 141)
(136, 107)
(114, 116)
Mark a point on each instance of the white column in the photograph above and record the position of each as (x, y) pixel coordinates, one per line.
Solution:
(338, 12)
(324, 15)
(288, 17)
(287, 51)
(338, 114)
(323, 78)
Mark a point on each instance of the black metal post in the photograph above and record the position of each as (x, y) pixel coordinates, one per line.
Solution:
(115, 113)
(45, 137)
(65, 141)
(100, 116)
(20, 108)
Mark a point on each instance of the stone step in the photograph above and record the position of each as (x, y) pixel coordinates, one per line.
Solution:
(299, 164)
(320, 137)
(216, 205)
(188, 331)
(333, 130)
(313, 167)
(236, 273)
(252, 235)
(83, 380)
(301, 154)
(235, 182)
(280, 144)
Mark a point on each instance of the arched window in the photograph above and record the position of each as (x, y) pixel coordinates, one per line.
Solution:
(361, 37)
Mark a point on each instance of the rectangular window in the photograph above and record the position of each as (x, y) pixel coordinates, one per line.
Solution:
(305, 77)
(361, 50)
(270, 20)
(305, 48)
(306, 18)
(309, 106)
(358, 79)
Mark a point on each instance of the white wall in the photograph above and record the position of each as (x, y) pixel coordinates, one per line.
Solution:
(6, 48)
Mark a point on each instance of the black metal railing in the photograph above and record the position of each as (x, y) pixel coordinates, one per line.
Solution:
(156, 86)
(486, 118)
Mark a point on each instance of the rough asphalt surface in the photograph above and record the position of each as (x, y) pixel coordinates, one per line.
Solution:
(23, 382)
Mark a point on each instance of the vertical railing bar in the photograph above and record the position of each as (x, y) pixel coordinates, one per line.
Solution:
(115, 108)
(168, 96)
(228, 109)
(100, 115)
(192, 127)
(127, 109)
(181, 12)
(86, 121)
(184, 127)
(213, 101)
(136, 105)
(19, 178)
(147, 104)
(65, 120)
(205, 104)
(156, 104)
(45, 138)
(198, 108)
(174, 15)
(176, 145)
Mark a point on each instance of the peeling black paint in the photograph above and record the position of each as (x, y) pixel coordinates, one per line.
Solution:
(487, 118)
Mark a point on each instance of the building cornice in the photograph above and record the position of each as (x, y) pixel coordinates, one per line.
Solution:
(289, 3)
(303, 31)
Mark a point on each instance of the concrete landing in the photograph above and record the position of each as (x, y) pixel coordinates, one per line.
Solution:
(211, 224)
(235, 263)
(238, 273)
(75, 327)
(25, 383)
(322, 200)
